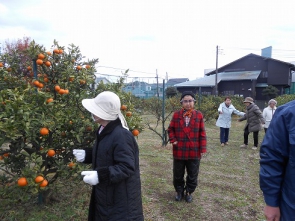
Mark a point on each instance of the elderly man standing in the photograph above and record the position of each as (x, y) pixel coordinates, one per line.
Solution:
(188, 137)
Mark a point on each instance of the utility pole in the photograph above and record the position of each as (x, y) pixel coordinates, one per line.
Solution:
(216, 84)
(157, 83)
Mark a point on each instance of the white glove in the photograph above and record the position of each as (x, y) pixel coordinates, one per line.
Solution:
(90, 177)
(79, 154)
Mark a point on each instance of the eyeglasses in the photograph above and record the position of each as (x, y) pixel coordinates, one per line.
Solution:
(188, 101)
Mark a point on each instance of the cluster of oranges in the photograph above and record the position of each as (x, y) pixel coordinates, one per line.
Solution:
(22, 181)
(60, 90)
(40, 61)
(135, 132)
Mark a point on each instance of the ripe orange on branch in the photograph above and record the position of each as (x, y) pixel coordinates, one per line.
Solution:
(135, 132)
(47, 63)
(71, 164)
(78, 67)
(1, 65)
(123, 107)
(51, 153)
(22, 181)
(39, 179)
(41, 56)
(56, 51)
(49, 100)
(44, 131)
(57, 88)
(39, 62)
(128, 113)
(44, 183)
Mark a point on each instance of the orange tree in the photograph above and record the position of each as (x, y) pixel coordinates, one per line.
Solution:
(41, 115)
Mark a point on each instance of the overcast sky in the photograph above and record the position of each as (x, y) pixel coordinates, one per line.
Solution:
(177, 37)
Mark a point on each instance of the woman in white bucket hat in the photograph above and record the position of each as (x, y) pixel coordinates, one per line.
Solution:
(115, 176)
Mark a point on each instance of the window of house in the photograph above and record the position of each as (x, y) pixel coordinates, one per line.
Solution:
(264, 74)
(228, 93)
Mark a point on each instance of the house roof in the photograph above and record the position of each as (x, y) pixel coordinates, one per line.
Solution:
(209, 81)
(252, 55)
(174, 81)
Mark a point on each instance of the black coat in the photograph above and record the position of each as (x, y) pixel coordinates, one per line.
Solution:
(115, 156)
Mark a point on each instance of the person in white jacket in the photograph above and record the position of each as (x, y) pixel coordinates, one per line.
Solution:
(268, 112)
(225, 110)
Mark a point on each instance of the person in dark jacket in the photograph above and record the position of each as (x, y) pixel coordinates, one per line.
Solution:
(277, 165)
(188, 137)
(115, 175)
(254, 122)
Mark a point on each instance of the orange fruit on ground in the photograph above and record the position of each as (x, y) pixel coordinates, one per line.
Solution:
(1, 65)
(44, 183)
(41, 56)
(128, 113)
(48, 53)
(47, 63)
(56, 51)
(39, 179)
(49, 100)
(29, 68)
(44, 131)
(123, 107)
(135, 132)
(22, 181)
(57, 88)
(78, 67)
(87, 66)
(51, 153)
(71, 164)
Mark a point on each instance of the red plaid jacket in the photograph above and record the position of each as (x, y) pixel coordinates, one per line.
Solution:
(191, 139)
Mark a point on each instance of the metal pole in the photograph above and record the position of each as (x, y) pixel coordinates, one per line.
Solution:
(163, 116)
(157, 83)
(216, 85)
(199, 100)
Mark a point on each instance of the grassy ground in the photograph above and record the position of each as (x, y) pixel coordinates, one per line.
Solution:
(228, 186)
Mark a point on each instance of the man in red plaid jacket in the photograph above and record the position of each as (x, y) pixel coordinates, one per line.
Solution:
(188, 137)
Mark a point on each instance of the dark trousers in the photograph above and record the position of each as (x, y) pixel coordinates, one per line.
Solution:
(192, 170)
(224, 132)
(255, 136)
(265, 129)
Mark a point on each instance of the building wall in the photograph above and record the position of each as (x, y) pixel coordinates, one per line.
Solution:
(195, 90)
(239, 88)
(278, 74)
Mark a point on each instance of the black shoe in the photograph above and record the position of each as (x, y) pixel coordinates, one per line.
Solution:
(188, 198)
(179, 196)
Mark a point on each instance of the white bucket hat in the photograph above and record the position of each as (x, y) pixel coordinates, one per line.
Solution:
(106, 106)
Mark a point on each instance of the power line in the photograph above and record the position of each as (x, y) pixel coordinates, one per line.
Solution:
(126, 69)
